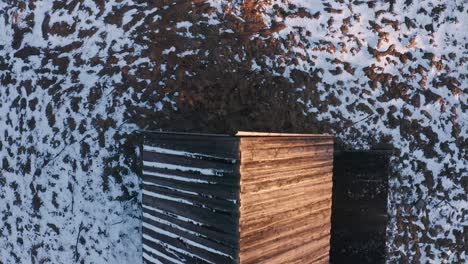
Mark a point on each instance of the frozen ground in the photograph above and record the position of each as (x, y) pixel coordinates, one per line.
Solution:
(78, 77)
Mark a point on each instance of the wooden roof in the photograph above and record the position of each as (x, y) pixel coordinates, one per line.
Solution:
(241, 134)
(266, 134)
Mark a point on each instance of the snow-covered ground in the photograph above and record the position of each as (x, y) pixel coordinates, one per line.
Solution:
(77, 78)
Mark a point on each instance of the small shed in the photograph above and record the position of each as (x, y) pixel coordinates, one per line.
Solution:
(243, 198)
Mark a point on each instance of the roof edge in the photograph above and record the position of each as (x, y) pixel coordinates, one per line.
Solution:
(267, 134)
(237, 134)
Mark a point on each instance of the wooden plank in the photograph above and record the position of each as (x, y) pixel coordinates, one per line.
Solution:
(286, 217)
(288, 200)
(277, 182)
(216, 191)
(221, 147)
(154, 251)
(195, 162)
(221, 205)
(214, 220)
(183, 134)
(312, 258)
(274, 143)
(255, 189)
(266, 134)
(312, 252)
(250, 215)
(285, 199)
(188, 152)
(291, 153)
(182, 247)
(286, 165)
(226, 181)
(197, 239)
(219, 236)
(270, 247)
(286, 229)
(312, 240)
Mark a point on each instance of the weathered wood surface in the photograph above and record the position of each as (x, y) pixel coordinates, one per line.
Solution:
(190, 199)
(267, 134)
(285, 199)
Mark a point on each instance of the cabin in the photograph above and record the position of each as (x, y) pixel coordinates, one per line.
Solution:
(242, 198)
